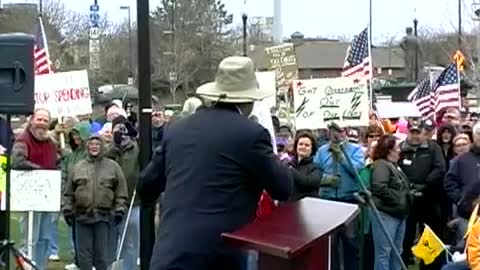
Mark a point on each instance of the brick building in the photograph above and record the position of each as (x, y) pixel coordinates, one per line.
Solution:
(322, 58)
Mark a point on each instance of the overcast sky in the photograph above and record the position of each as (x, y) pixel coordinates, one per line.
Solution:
(326, 18)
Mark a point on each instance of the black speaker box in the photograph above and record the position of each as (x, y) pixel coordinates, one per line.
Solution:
(16, 74)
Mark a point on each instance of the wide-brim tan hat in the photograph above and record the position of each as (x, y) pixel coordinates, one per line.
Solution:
(235, 82)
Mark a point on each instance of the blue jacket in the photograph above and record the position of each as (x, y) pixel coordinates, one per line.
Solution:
(348, 184)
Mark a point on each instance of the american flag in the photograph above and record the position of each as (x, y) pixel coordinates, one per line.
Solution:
(422, 96)
(358, 61)
(40, 50)
(447, 89)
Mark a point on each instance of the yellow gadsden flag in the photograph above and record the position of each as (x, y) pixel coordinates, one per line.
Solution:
(3, 183)
(429, 247)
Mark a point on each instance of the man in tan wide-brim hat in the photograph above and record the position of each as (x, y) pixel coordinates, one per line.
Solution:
(213, 166)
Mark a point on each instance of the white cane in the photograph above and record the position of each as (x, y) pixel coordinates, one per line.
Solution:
(117, 265)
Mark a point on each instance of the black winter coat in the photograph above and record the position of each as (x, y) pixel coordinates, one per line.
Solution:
(213, 167)
(462, 182)
(307, 178)
(425, 168)
(390, 189)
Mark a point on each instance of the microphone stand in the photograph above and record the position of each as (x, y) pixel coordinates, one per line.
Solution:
(368, 198)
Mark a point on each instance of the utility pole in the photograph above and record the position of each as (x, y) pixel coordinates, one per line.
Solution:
(460, 25)
(415, 32)
(370, 22)
(244, 22)
(130, 45)
(172, 75)
(147, 212)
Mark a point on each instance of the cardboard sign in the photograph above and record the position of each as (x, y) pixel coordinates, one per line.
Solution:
(35, 190)
(283, 60)
(264, 118)
(397, 109)
(266, 81)
(64, 94)
(321, 101)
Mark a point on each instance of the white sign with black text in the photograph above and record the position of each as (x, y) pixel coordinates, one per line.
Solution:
(35, 190)
(321, 101)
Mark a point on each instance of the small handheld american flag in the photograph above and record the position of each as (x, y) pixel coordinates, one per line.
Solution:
(422, 96)
(447, 89)
(445, 92)
(40, 50)
(358, 61)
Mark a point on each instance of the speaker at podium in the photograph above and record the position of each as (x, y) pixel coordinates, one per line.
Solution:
(16, 74)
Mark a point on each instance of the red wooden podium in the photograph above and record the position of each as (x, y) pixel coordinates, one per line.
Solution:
(297, 236)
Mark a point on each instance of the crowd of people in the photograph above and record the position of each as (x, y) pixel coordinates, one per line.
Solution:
(100, 168)
(418, 172)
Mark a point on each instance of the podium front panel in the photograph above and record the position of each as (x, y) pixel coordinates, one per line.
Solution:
(293, 227)
(317, 257)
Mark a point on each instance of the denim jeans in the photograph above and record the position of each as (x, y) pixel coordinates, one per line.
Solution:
(131, 245)
(456, 266)
(385, 258)
(53, 243)
(252, 260)
(42, 228)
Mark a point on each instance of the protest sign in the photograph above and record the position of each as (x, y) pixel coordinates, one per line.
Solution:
(35, 190)
(266, 81)
(261, 114)
(321, 101)
(397, 109)
(64, 93)
(283, 61)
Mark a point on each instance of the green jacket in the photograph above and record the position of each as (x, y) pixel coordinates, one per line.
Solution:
(128, 159)
(78, 153)
(95, 189)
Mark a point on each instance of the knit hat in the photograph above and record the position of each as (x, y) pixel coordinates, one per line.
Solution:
(191, 105)
(131, 131)
(476, 132)
(459, 137)
(117, 102)
(115, 111)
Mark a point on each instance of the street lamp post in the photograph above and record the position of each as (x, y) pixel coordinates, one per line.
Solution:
(244, 21)
(147, 212)
(415, 32)
(130, 45)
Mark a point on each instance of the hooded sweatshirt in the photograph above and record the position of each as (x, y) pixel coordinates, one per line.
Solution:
(448, 154)
(78, 152)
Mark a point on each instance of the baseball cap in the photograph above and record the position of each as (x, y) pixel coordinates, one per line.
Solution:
(414, 125)
(428, 125)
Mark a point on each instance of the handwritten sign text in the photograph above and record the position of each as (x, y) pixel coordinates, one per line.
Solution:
(321, 101)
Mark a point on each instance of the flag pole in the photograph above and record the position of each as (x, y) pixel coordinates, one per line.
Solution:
(459, 86)
(438, 239)
(45, 44)
(44, 37)
(371, 66)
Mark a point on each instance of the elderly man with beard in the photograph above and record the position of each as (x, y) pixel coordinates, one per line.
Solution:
(35, 150)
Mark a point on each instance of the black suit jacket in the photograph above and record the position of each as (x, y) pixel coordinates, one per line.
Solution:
(213, 167)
